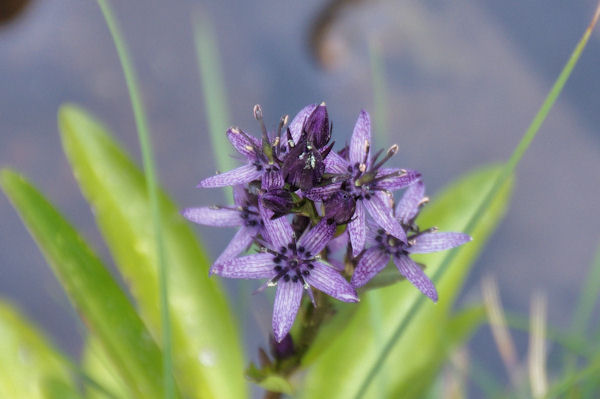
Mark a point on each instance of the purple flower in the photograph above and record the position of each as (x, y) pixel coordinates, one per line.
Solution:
(385, 245)
(367, 182)
(244, 214)
(262, 156)
(292, 265)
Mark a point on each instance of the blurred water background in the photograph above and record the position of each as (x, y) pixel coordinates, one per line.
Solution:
(463, 80)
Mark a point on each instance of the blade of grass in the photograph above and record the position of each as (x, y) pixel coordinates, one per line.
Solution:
(538, 379)
(378, 81)
(587, 299)
(213, 90)
(506, 173)
(500, 331)
(151, 180)
(96, 295)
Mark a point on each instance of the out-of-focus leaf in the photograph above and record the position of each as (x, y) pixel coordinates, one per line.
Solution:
(58, 389)
(207, 353)
(99, 366)
(100, 301)
(27, 359)
(339, 371)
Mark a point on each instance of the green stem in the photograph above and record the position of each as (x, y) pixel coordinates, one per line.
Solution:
(152, 185)
(505, 174)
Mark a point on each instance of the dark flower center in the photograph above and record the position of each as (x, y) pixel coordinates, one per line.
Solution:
(251, 217)
(292, 263)
(390, 244)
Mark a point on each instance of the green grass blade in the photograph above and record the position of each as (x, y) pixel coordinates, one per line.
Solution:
(97, 364)
(378, 81)
(588, 297)
(214, 93)
(95, 294)
(27, 359)
(207, 353)
(506, 173)
(338, 373)
(141, 122)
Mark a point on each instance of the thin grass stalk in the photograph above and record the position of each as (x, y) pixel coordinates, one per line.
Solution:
(499, 327)
(538, 379)
(506, 173)
(143, 131)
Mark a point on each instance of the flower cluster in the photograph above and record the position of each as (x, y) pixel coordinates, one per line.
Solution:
(300, 202)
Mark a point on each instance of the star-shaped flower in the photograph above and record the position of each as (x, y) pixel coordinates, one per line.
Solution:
(292, 265)
(364, 179)
(384, 245)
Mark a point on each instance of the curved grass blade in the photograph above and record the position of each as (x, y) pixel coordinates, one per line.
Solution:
(338, 372)
(27, 359)
(206, 348)
(143, 131)
(99, 300)
(493, 193)
(213, 90)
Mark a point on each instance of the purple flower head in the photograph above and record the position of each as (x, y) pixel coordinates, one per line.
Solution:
(264, 157)
(244, 214)
(385, 245)
(363, 178)
(291, 265)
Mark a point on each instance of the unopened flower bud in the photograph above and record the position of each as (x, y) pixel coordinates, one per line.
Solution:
(339, 207)
(317, 126)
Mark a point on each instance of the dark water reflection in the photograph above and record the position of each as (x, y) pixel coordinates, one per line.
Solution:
(463, 83)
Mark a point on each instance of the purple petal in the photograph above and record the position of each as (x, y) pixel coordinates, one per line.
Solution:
(317, 238)
(331, 282)
(278, 231)
(408, 206)
(243, 143)
(240, 195)
(360, 142)
(321, 193)
(337, 264)
(272, 180)
(372, 262)
(397, 182)
(416, 276)
(296, 125)
(247, 267)
(357, 229)
(383, 215)
(434, 242)
(243, 174)
(219, 217)
(334, 163)
(239, 243)
(285, 308)
(339, 242)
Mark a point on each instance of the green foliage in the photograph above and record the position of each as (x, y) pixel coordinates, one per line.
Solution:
(207, 353)
(29, 364)
(338, 372)
(99, 300)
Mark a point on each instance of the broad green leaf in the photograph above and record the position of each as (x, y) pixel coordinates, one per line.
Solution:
(100, 301)
(27, 359)
(54, 388)
(207, 353)
(98, 365)
(343, 362)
